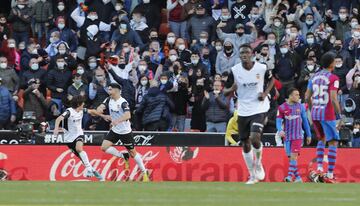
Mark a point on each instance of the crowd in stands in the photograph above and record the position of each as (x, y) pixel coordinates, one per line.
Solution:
(171, 57)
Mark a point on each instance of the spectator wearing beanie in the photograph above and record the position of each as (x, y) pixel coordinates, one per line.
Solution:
(226, 58)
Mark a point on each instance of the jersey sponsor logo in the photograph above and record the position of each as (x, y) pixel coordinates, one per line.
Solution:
(292, 117)
(250, 85)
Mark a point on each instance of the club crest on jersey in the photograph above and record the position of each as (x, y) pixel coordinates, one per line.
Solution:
(258, 76)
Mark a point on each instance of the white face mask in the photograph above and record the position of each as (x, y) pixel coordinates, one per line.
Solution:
(11, 45)
(53, 40)
(173, 58)
(106, 1)
(163, 81)
(62, 51)
(181, 47)
(60, 65)
(310, 67)
(293, 34)
(144, 82)
(142, 68)
(126, 49)
(3, 65)
(309, 22)
(271, 41)
(194, 61)
(356, 35)
(225, 18)
(34, 51)
(92, 65)
(35, 66)
(353, 24)
(342, 16)
(21, 6)
(118, 7)
(356, 131)
(61, 26)
(146, 1)
(203, 41)
(268, 1)
(93, 17)
(218, 48)
(61, 7)
(339, 65)
(310, 40)
(284, 50)
(171, 40)
(80, 71)
(288, 31)
(277, 24)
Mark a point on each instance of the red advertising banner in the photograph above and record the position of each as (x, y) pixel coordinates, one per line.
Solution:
(57, 163)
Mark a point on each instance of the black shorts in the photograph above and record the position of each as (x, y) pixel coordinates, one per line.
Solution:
(126, 139)
(253, 123)
(72, 145)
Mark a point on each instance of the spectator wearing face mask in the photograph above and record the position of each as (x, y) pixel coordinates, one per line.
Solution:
(177, 20)
(43, 15)
(98, 88)
(103, 8)
(198, 118)
(8, 49)
(263, 56)
(34, 100)
(239, 37)
(312, 20)
(77, 88)
(341, 25)
(20, 17)
(199, 23)
(155, 109)
(169, 43)
(63, 50)
(309, 69)
(123, 34)
(7, 108)
(166, 84)
(55, 40)
(287, 69)
(227, 58)
(141, 90)
(310, 44)
(60, 10)
(10, 79)
(152, 13)
(196, 64)
(341, 71)
(276, 26)
(35, 72)
(183, 52)
(217, 111)
(27, 54)
(58, 80)
(225, 18)
(66, 35)
(138, 23)
(345, 51)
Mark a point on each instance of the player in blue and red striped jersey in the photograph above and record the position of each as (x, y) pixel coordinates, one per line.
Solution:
(294, 115)
(321, 95)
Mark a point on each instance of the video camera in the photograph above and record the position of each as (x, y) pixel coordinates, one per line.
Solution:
(26, 127)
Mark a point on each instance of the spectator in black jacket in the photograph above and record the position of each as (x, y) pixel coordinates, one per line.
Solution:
(155, 109)
(58, 80)
(125, 34)
(226, 18)
(341, 71)
(217, 111)
(152, 13)
(180, 99)
(20, 17)
(35, 72)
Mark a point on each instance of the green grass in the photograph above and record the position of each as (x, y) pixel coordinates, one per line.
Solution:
(177, 193)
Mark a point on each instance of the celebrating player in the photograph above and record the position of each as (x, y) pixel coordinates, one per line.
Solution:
(121, 129)
(74, 134)
(294, 114)
(248, 79)
(325, 110)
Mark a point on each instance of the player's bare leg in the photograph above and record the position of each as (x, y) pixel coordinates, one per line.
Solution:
(255, 138)
(140, 163)
(90, 171)
(107, 147)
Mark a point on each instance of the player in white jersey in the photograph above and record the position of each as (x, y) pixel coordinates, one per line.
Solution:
(74, 134)
(121, 130)
(248, 79)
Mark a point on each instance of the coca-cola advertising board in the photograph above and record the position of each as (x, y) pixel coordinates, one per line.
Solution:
(57, 163)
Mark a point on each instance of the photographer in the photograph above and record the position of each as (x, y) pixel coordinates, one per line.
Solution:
(34, 100)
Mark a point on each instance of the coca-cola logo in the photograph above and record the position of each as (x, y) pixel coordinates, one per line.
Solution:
(143, 139)
(68, 167)
(180, 154)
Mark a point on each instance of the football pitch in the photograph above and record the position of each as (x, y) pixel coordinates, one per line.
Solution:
(177, 193)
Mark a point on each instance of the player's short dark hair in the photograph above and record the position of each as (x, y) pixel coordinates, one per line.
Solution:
(245, 46)
(77, 101)
(291, 90)
(327, 59)
(115, 86)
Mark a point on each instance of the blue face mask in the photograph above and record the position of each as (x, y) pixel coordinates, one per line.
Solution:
(301, 1)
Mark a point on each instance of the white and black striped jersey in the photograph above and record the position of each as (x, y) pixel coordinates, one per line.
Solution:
(249, 84)
(117, 108)
(72, 124)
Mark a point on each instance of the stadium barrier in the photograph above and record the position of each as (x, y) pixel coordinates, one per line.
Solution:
(141, 138)
(57, 163)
